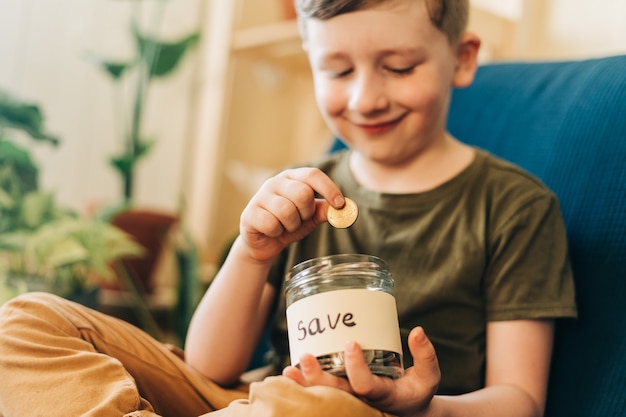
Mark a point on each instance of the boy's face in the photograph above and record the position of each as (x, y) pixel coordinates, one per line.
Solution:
(382, 78)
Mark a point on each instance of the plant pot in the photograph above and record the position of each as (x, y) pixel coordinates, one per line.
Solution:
(150, 229)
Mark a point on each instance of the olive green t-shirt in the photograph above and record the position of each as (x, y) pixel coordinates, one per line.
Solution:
(487, 245)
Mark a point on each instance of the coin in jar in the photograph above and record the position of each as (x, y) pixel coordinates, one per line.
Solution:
(343, 217)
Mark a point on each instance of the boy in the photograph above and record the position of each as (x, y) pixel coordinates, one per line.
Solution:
(476, 246)
(464, 234)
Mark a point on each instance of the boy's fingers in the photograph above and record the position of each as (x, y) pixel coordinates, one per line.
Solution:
(294, 374)
(425, 363)
(320, 183)
(314, 375)
(358, 372)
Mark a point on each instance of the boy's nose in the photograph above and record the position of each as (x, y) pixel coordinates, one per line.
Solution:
(367, 95)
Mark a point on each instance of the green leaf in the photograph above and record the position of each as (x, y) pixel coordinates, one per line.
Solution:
(10, 152)
(64, 252)
(36, 209)
(6, 201)
(18, 114)
(163, 57)
(7, 292)
(93, 244)
(17, 166)
(124, 163)
(15, 241)
(115, 69)
(144, 147)
(107, 243)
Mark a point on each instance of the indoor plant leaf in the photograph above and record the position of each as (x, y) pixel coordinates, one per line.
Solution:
(14, 241)
(109, 243)
(143, 147)
(93, 244)
(18, 114)
(6, 201)
(64, 251)
(8, 210)
(17, 167)
(163, 57)
(36, 209)
(115, 69)
(10, 152)
(124, 162)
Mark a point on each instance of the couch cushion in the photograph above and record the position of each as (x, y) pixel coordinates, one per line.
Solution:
(566, 123)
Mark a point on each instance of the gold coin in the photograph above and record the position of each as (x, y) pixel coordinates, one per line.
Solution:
(343, 217)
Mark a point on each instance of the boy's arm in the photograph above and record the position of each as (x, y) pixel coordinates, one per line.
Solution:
(228, 322)
(518, 363)
(230, 319)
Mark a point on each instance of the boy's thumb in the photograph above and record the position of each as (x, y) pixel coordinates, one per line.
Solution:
(425, 363)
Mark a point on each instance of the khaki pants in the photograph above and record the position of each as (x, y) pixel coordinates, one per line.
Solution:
(58, 358)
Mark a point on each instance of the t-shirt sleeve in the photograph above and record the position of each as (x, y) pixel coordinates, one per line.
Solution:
(529, 275)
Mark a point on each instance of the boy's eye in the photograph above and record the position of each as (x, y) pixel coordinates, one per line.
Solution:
(402, 71)
(339, 74)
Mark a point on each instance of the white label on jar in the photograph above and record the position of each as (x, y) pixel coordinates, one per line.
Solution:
(322, 323)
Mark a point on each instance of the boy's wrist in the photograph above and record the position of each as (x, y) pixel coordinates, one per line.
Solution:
(242, 253)
(429, 410)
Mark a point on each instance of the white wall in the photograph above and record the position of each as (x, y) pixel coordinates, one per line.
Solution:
(585, 28)
(551, 29)
(42, 44)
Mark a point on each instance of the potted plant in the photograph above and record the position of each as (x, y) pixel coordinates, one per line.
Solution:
(44, 246)
(68, 256)
(153, 59)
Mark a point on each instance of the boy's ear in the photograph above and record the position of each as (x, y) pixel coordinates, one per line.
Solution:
(466, 60)
(303, 34)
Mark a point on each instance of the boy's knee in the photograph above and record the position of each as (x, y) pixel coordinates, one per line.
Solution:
(31, 300)
(36, 314)
(32, 307)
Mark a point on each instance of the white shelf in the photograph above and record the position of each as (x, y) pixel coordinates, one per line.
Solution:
(278, 43)
(267, 36)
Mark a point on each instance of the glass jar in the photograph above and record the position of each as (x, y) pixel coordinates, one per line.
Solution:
(337, 298)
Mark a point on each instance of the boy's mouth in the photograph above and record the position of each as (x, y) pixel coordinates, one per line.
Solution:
(380, 127)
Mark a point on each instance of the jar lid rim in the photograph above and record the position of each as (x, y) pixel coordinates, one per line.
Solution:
(336, 263)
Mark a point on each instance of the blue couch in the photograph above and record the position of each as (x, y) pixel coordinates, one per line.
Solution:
(566, 123)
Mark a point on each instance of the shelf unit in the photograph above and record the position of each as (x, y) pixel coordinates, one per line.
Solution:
(257, 114)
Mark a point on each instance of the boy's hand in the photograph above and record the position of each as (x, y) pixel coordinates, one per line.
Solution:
(285, 209)
(407, 395)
